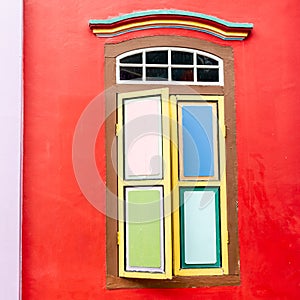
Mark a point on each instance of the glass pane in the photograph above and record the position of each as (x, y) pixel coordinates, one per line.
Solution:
(142, 138)
(157, 57)
(132, 59)
(204, 60)
(200, 227)
(156, 73)
(130, 73)
(181, 58)
(144, 229)
(197, 145)
(208, 75)
(182, 74)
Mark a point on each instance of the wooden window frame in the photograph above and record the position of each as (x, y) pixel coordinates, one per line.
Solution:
(113, 281)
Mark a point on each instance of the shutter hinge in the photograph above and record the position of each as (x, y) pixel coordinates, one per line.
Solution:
(118, 238)
(227, 237)
(117, 129)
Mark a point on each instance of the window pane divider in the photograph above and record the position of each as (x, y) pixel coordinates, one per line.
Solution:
(130, 65)
(157, 65)
(169, 66)
(207, 67)
(182, 66)
(144, 66)
(195, 63)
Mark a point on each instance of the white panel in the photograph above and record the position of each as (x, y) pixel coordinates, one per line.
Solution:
(200, 227)
(143, 138)
(10, 150)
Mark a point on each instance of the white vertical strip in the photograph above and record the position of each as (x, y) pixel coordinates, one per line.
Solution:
(11, 36)
(169, 66)
(195, 66)
(144, 66)
(221, 72)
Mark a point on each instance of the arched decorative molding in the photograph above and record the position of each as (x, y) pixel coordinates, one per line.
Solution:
(153, 19)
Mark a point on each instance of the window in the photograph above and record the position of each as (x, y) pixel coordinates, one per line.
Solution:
(170, 65)
(171, 174)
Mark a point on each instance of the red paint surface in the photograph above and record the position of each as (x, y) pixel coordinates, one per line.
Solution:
(64, 235)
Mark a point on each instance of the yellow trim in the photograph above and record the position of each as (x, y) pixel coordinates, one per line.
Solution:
(143, 182)
(117, 129)
(168, 22)
(175, 190)
(195, 183)
(223, 193)
(200, 272)
(166, 182)
(120, 193)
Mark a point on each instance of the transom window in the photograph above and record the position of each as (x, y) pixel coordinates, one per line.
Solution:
(170, 66)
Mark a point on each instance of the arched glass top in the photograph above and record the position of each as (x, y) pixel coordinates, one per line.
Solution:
(165, 65)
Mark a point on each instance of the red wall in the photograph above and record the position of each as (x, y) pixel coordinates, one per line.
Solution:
(64, 235)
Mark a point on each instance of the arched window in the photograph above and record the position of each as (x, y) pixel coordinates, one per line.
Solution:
(166, 65)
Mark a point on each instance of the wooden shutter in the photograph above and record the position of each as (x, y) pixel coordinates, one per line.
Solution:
(144, 184)
(200, 212)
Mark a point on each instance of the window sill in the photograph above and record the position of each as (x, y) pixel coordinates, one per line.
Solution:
(114, 282)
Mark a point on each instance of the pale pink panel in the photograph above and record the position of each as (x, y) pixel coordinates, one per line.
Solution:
(142, 138)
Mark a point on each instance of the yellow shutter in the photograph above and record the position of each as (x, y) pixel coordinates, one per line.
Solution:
(198, 183)
(144, 184)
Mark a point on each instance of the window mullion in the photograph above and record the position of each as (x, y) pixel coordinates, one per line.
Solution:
(195, 66)
(169, 65)
(144, 66)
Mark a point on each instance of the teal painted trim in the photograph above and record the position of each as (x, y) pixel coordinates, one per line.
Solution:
(183, 265)
(172, 27)
(170, 12)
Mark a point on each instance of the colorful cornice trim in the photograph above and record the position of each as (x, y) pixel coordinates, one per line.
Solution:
(170, 19)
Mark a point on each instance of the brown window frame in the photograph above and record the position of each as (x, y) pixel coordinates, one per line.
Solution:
(112, 50)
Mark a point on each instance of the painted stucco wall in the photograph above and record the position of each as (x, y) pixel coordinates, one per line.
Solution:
(64, 235)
